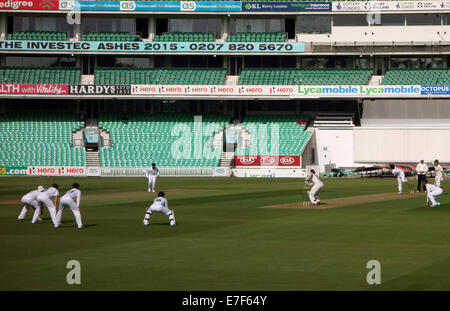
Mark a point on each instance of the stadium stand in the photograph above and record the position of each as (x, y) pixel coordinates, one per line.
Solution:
(304, 76)
(144, 139)
(257, 37)
(185, 37)
(172, 76)
(39, 139)
(38, 36)
(110, 36)
(417, 77)
(37, 75)
(292, 135)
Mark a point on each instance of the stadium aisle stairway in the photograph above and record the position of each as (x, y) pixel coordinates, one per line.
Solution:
(292, 138)
(144, 139)
(39, 139)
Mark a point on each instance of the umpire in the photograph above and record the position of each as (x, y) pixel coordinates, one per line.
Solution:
(422, 170)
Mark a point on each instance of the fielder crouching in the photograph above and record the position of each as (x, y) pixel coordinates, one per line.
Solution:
(317, 185)
(159, 205)
(67, 200)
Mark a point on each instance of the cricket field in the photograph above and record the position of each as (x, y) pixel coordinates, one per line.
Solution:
(224, 239)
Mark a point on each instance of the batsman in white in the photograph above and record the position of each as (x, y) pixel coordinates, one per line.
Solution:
(400, 174)
(438, 173)
(432, 192)
(151, 175)
(317, 185)
(49, 198)
(29, 202)
(67, 200)
(159, 205)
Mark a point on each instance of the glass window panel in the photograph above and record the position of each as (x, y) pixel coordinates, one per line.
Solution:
(313, 24)
(391, 20)
(423, 19)
(256, 25)
(350, 20)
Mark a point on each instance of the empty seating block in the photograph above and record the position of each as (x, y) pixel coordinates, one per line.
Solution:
(257, 37)
(185, 37)
(304, 76)
(38, 36)
(39, 76)
(417, 77)
(286, 135)
(110, 36)
(172, 76)
(39, 139)
(144, 139)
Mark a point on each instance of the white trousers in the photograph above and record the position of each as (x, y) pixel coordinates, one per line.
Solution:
(401, 180)
(432, 195)
(28, 203)
(437, 180)
(151, 182)
(313, 193)
(159, 209)
(44, 199)
(68, 202)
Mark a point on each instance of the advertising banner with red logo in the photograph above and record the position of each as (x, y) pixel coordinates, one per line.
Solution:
(256, 160)
(34, 89)
(29, 5)
(222, 90)
(56, 171)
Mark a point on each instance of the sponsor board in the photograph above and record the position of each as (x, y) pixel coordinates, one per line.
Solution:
(366, 6)
(100, 89)
(56, 170)
(359, 90)
(286, 6)
(35, 89)
(171, 6)
(153, 47)
(13, 171)
(435, 89)
(93, 171)
(224, 90)
(29, 5)
(222, 171)
(269, 173)
(267, 160)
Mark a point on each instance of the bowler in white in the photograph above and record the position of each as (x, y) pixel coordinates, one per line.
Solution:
(400, 174)
(151, 175)
(49, 198)
(159, 205)
(72, 200)
(29, 202)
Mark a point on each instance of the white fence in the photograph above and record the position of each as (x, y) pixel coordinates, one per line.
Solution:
(164, 171)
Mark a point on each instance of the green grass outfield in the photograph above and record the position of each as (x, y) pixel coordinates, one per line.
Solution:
(224, 241)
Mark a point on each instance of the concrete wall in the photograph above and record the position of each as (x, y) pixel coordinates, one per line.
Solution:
(368, 34)
(401, 144)
(335, 146)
